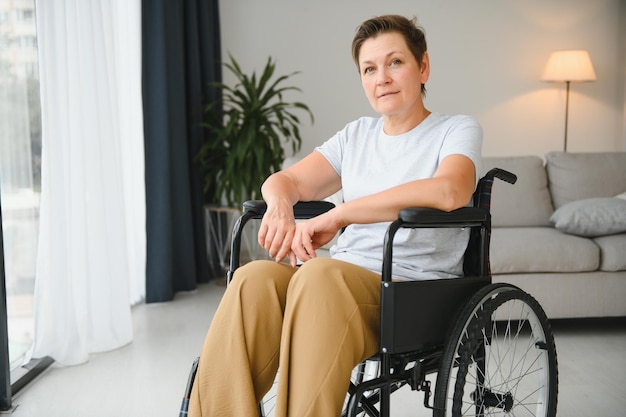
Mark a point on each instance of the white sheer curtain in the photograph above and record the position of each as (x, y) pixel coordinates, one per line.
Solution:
(91, 259)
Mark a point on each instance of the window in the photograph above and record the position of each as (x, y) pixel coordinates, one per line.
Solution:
(20, 173)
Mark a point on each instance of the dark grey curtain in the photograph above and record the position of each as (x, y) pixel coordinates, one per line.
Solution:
(181, 56)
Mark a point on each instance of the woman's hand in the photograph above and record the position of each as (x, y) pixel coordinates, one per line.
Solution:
(309, 179)
(313, 233)
(277, 231)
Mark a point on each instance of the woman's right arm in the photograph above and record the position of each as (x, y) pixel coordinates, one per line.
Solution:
(311, 178)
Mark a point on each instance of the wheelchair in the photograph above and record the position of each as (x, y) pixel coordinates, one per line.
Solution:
(489, 346)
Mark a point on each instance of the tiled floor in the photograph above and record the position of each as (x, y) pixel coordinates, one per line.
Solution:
(147, 377)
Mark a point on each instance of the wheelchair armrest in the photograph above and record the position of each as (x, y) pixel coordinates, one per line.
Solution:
(421, 217)
(428, 217)
(301, 210)
(255, 209)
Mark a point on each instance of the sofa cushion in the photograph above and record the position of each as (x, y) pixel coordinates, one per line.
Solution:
(591, 217)
(527, 202)
(541, 249)
(612, 250)
(577, 176)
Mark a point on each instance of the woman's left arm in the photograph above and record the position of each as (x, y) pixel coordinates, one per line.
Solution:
(451, 187)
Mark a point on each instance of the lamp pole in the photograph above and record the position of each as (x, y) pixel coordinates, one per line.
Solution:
(566, 113)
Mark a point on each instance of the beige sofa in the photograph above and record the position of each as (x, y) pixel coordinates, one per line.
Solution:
(559, 233)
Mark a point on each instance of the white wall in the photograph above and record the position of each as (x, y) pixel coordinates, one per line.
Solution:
(486, 58)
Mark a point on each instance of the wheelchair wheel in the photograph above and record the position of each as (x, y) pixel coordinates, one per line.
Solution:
(363, 372)
(268, 404)
(500, 359)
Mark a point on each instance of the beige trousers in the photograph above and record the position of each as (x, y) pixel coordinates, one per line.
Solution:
(315, 323)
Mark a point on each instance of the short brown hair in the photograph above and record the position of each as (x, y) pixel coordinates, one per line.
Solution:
(414, 35)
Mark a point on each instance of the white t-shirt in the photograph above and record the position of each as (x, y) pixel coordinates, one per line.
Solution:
(369, 161)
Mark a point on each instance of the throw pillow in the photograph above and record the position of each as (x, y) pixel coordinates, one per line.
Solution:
(622, 196)
(577, 176)
(591, 217)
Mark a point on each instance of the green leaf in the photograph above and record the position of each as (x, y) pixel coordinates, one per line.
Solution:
(248, 143)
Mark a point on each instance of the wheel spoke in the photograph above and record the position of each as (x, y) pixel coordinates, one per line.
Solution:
(509, 369)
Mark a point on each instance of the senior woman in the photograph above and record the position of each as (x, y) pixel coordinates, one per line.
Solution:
(317, 321)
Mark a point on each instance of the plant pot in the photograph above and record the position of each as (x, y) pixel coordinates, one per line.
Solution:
(218, 226)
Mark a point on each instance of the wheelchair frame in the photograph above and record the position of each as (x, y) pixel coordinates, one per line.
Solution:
(455, 341)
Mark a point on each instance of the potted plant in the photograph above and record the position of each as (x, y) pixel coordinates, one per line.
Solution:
(248, 141)
(249, 128)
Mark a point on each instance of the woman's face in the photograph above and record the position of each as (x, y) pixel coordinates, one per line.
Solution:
(390, 75)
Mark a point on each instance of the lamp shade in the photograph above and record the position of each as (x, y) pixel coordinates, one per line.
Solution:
(572, 66)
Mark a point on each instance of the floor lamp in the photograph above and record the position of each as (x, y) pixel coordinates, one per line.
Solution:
(568, 67)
